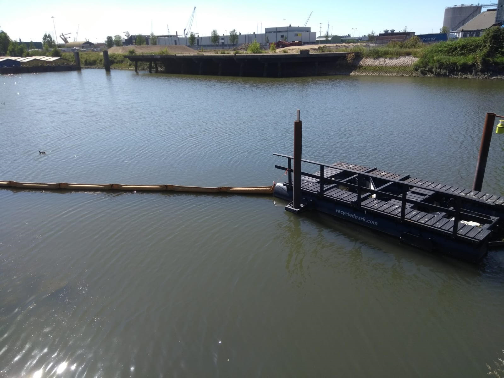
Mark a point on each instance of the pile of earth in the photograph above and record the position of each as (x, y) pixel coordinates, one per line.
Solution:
(144, 49)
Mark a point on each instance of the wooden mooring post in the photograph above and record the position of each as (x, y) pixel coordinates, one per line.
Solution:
(298, 145)
(483, 153)
(106, 61)
(77, 59)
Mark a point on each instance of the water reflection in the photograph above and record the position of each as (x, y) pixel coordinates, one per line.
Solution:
(120, 284)
(344, 247)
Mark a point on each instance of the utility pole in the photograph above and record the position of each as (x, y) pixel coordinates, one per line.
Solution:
(55, 34)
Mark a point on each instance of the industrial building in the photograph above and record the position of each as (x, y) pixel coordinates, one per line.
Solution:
(392, 36)
(476, 26)
(270, 35)
(457, 16)
(468, 21)
(433, 38)
(8, 62)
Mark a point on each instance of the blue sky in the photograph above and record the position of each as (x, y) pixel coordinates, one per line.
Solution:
(95, 20)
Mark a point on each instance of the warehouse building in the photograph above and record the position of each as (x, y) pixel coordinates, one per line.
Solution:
(270, 35)
(477, 26)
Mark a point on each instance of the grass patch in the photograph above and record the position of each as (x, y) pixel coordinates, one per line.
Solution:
(95, 60)
(376, 52)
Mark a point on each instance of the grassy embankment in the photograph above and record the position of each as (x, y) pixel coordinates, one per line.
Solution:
(95, 60)
(480, 56)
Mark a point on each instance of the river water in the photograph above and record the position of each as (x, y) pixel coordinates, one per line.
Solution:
(181, 285)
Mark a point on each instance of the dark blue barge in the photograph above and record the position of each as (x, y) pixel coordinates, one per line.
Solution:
(435, 217)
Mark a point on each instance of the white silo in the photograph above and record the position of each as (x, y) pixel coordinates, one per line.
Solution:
(500, 12)
(457, 16)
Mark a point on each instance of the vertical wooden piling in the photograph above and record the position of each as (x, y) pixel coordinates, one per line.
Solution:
(265, 71)
(77, 59)
(483, 153)
(156, 67)
(298, 145)
(106, 61)
(150, 67)
(136, 66)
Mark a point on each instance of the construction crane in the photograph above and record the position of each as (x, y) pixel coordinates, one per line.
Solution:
(308, 19)
(187, 30)
(168, 28)
(77, 34)
(64, 38)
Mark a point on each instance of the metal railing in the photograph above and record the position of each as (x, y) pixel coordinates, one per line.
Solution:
(457, 211)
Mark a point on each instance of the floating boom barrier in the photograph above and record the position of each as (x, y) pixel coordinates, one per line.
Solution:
(258, 190)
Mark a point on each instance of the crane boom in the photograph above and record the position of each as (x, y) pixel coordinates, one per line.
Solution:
(64, 37)
(308, 19)
(187, 30)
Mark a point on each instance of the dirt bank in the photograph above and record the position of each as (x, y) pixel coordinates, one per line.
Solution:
(151, 49)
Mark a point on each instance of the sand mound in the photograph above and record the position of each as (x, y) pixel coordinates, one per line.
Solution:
(151, 49)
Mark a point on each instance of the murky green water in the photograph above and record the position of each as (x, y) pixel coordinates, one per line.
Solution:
(178, 285)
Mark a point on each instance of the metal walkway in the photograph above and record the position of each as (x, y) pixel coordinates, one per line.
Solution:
(459, 213)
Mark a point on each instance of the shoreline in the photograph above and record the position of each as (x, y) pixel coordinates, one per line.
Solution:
(385, 67)
(357, 72)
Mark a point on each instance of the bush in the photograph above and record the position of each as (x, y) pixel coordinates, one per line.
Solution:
(56, 52)
(131, 52)
(68, 57)
(493, 42)
(254, 48)
(116, 59)
(272, 47)
(473, 55)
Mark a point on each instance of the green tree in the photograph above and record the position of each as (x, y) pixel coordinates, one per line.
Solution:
(192, 39)
(233, 37)
(140, 40)
(214, 38)
(16, 49)
(48, 41)
(117, 40)
(444, 30)
(152, 39)
(109, 41)
(32, 46)
(4, 42)
(372, 37)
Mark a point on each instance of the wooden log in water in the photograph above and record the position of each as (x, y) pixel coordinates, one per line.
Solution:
(130, 188)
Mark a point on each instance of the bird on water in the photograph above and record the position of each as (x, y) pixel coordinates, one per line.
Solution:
(41, 152)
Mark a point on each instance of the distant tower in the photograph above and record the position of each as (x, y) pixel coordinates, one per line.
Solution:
(500, 12)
